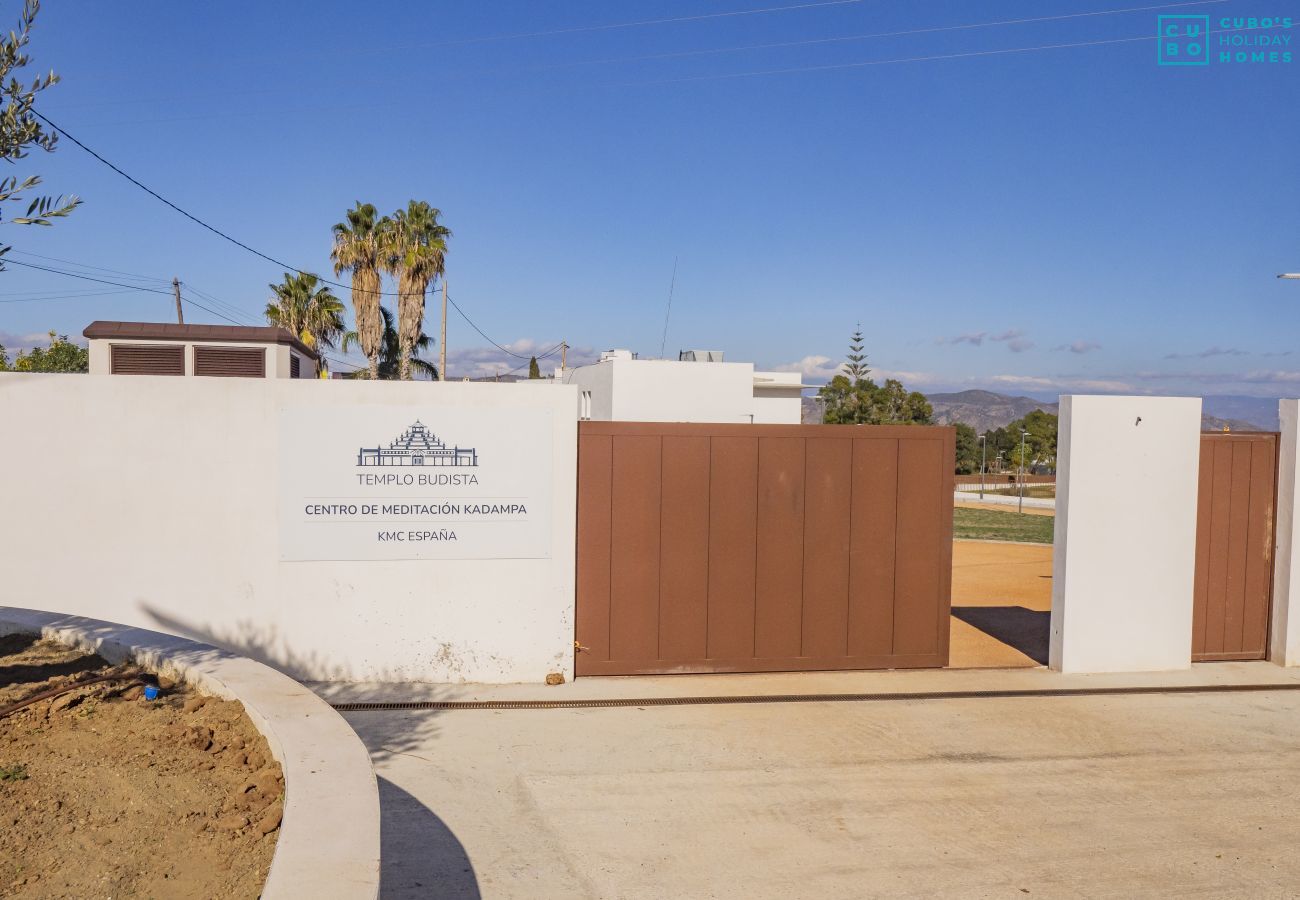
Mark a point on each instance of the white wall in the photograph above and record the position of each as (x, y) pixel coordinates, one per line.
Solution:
(667, 390)
(663, 390)
(775, 405)
(1285, 634)
(153, 501)
(1125, 533)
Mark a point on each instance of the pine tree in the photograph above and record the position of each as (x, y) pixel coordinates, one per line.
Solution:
(856, 367)
(534, 370)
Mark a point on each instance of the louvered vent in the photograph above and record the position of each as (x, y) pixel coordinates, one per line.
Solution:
(295, 366)
(230, 362)
(146, 359)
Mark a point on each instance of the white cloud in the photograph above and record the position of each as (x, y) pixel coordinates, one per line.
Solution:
(1079, 347)
(1206, 354)
(1014, 338)
(974, 338)
(485, 362)
(818, 367)
(15, 342)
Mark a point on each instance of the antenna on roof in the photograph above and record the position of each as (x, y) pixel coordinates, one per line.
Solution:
(671, 285)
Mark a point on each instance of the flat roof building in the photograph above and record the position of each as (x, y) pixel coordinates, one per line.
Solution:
(696, 387)
(164, 348)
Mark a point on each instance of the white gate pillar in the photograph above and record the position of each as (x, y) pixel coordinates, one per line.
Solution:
(1125, 558)
(1284, 638)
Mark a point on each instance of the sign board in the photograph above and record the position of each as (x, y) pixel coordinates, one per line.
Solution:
(415, 482)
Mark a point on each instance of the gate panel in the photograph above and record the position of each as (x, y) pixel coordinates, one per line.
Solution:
(732, 548)
(925, 533)
(595, 478)
(778, 606)
(634, 556)
(826, 540)
(733, 532)
(684, 549)
(1234, 546)
(872, 549)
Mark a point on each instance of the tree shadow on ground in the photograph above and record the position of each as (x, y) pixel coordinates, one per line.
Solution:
(420, 856)
(265, 644)
(1027, 630)
(32, 673)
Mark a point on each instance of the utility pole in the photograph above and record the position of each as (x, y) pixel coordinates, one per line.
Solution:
(176, 288)
(442, 342)
(1021, 505)
(564, 357)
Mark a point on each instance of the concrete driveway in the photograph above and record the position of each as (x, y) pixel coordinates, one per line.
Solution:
(1193, 795)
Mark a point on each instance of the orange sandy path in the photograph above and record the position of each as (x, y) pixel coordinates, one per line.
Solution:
(1005, 589)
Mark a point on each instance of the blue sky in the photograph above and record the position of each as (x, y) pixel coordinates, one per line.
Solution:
(1063, 219)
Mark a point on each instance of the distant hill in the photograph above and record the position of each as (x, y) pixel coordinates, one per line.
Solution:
(984, 410)
(1251, 413)
(1212, 423)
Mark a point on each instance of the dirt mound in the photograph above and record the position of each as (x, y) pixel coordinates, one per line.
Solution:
(106, 794)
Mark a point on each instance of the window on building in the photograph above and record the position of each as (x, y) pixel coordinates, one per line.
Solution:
(230, 362)
(295, 365)
(585, 408)
(146, 359)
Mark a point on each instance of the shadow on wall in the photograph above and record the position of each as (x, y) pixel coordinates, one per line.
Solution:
(420, 857)
(1027, 630)
(267, 644)
(264, 644)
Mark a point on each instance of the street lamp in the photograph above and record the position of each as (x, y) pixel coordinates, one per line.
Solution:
(1021, 507)
(984, 448)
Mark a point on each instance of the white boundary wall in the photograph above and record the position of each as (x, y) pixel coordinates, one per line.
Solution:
(1124, 567)
(1285, 637)
(153, 502)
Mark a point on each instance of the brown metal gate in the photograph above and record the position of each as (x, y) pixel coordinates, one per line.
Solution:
(762, 548)
(1234, 546)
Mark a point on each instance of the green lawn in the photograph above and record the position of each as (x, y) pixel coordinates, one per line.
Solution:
(990, 525)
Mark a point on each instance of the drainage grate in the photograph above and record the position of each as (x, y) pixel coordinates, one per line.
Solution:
(447, 705)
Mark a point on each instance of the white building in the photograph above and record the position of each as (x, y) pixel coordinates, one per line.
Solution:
(696, 387)
(163, 348)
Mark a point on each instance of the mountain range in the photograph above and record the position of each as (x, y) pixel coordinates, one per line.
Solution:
(986, 410)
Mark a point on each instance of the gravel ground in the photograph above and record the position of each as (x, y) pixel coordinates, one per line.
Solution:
(106, 794)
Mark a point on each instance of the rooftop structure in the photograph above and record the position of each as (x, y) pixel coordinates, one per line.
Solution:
(696, 387)
(164, 348)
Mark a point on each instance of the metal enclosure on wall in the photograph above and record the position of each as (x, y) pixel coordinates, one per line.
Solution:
(1237, 500)
(759, 548)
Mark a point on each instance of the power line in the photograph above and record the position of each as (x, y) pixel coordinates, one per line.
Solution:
(481, 333)
(134, 287)
(239, 243)
(94, 268)
(879, 34)
(911, 59)
(612, 26)
(193, 218)
(78, 296)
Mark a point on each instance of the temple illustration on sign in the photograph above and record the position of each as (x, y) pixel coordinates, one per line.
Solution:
(417, 446)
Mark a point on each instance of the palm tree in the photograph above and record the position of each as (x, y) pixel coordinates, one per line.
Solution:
(390, 349)
(310, 312)
(357, 250)
(414, 252)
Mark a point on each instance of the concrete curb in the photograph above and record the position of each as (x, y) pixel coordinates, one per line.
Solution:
(329, 838)
(1003, 500)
